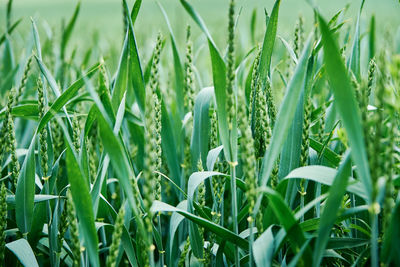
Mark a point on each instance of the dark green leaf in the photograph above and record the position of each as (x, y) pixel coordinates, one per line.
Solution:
(25, 194)
(346, 105)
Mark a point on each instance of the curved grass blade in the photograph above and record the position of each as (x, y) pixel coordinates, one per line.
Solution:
(212, 157)
(47, 74)
(220, 231)
(325, 175)
(174, 223)
(37, 199)
(289, 49)
(263, 248)
(327, 153)
(23, 251)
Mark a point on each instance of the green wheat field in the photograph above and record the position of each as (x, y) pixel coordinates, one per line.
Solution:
(199, 133)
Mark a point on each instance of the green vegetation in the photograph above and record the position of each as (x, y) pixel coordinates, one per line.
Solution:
(250, 149)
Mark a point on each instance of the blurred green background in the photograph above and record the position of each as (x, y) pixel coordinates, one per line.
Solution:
(100, 21)
(106, 14)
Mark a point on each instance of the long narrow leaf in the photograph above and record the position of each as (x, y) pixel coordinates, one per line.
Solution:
(284, 118)
(331, 208)
(25, 194)
(346, 105)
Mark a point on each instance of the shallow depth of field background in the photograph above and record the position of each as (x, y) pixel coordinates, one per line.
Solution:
(100, 23)
(99, 30)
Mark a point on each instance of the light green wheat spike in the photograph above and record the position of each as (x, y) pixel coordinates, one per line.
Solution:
(152, 181)
(389, 155)
(357, 88)
(253, 86)
(218, 189)
(230, 66)
(152, 161)
(136, 192)
(202, 189)
(73, 231)
(217, 181)
(76, 133)
(305, 141)
(189, 87)
(11, 142)
(3, 221)
(186, 166)
(364, 101)
(377, 121)
(299, 36)
(249, 165)
(116, 238)
(371, 79)
(201, 198)
(91, 149)
(103, 81)
(248, 156)
(262, 130)
(21, 87)
(214, 130)
(184, 252)
(259, 222)
(270, 103)
(321, 129)
(43, 133)
(144, 248)
(58, 141)
(63, 226)
(3, 141)
(387, 107)
(189, 95)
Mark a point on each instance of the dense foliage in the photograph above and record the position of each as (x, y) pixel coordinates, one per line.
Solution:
(286, 158)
